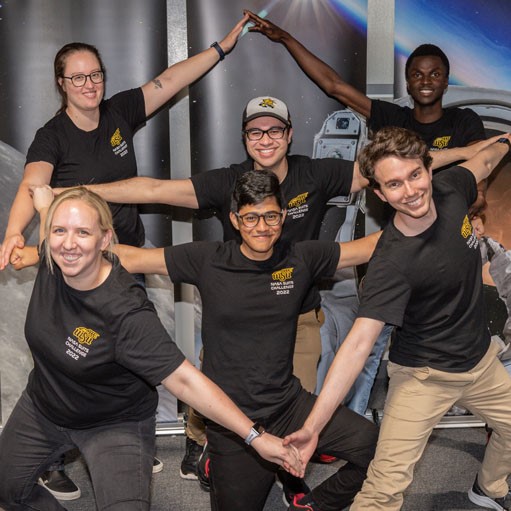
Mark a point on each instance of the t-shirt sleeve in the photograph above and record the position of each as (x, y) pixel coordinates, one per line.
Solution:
(334, 176)
(45, 147)
(185, 262)
(213, 187)
(384, 114)
(462, 180)
(385, 293)
(145, 347)
(131, 106)
(321, 257)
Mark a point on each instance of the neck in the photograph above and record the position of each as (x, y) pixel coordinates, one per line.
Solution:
(410, 226)
(279, 169)
(426, 114)
(85, 120)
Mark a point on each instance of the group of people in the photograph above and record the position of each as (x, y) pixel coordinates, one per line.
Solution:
(99, 348)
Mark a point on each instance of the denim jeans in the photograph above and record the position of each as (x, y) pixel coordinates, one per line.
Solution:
(119, 458)
(340, 305)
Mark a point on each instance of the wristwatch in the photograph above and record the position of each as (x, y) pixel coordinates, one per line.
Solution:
(255, 431)
(504, 140)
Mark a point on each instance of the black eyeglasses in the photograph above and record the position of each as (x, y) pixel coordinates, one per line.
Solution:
(274, 133)
(81, 79)
(271, 218)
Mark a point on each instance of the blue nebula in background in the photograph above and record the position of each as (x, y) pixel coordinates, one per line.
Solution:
(474, 34)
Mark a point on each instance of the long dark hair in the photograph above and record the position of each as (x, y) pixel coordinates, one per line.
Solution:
(60, 63)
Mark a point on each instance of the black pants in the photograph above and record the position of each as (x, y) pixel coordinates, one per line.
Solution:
(241, 480)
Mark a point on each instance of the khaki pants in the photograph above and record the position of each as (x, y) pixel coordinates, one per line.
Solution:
(305, 365)
(416, 401)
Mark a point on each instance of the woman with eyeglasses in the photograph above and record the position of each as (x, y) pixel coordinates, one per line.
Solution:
(99, 350)
(90, 140)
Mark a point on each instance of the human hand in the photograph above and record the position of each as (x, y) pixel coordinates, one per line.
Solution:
(263, 26)
(272, 449)
(230, 40)
(9, 244)
(24, 257)
(305, 440)
(42, 196)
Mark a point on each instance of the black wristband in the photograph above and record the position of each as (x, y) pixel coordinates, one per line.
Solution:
(506, 141)
(218, 48)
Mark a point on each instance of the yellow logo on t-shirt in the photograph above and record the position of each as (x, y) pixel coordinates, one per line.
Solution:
(283, 275)
(441, 142)
(116, 138)
(466, 228)
(298, 200)
(85, 335)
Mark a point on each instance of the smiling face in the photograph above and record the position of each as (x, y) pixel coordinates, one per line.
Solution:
(88, 96)
(258, 241)
(269, 153)
(76, 243)
(406, 185)
(427, 80)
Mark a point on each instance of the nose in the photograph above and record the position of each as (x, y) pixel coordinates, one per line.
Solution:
(409, 190)
(69, 241)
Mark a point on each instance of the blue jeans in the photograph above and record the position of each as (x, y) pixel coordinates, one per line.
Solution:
(340, 305)
(119, 458)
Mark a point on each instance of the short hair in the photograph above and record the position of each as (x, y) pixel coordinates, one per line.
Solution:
(60, 63)
(253, 187)
(392, 141)
(427, 50)
(91, 199)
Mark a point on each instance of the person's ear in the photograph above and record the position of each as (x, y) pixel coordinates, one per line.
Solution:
(379, 193)
(234, 220)
(107, 239)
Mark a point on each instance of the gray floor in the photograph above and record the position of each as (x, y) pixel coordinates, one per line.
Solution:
(442, 476)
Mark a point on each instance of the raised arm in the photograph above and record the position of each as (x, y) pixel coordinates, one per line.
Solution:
(358, 251)
(166, 85)
(147, 190)
(317, 70)
(191, 386)
(22, 209)
(347, 364)
(483, 163)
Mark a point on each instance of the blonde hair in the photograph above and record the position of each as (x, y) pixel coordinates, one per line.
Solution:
(91, 199)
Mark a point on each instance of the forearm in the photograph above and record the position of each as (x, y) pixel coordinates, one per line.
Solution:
(483, 163)
(189, 385)
(358, 251)
(142, 260)
(22, 212)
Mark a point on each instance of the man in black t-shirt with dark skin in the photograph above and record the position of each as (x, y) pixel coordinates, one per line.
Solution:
(427, 77)
(424, 278)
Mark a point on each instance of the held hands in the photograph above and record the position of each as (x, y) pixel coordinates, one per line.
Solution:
(24, 257)
(230, 40)
(271, 448)
(16, 241)
(270, 30)
(305, 440)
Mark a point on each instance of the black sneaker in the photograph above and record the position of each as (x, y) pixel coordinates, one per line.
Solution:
(157, 465)
(190, 459)
(478, 497)
(59, 485)
(291, 486)
(303, 503)
(203, 469)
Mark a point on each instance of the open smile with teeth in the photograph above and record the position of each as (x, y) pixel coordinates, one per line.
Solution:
(70, 258)
(415, 202)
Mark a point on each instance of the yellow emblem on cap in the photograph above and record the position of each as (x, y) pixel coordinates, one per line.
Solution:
(267, 103)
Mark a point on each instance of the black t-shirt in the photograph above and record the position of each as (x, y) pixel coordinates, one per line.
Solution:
(458, 127)
(430, 285)
(307, 187)
(98, 354)
(249, 314)
(103, 155)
